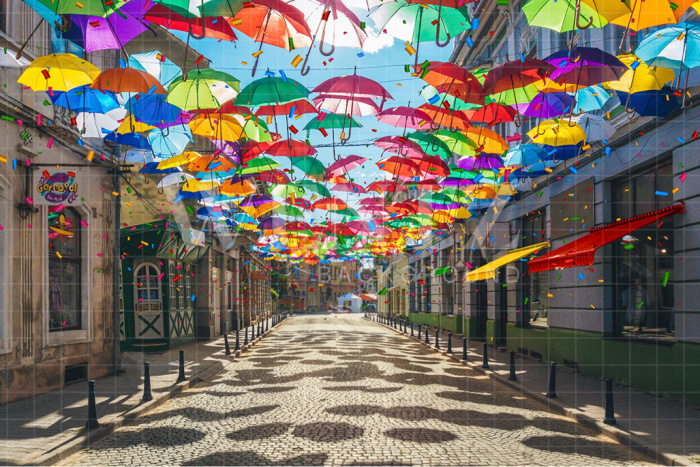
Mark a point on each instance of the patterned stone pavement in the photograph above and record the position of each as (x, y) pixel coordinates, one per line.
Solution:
(339, 390)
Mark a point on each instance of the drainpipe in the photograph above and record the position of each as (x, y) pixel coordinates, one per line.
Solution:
(116, 172)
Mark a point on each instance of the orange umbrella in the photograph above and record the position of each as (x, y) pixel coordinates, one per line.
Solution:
(488, 140)
(330, 204)
(237, 187)
(211, 163)
(401, 166)
(442, 116)
(127, 80)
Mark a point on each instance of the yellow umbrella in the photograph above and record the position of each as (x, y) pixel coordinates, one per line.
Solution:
(492, 142)
(237, 188)
(607, 9)
(220, 127)
(131, 125)
(176, 161)
(257, 211)
(59, 72)
(480, 192)
(195, 185)
(461, 213)
(641, 78)
(557, 133)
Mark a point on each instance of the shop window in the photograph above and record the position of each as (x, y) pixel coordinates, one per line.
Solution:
(65, 263)
(148, 295)
(643, 260)
(535, 285)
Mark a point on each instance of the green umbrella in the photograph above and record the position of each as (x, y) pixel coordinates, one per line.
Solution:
(429, 93)
(561, 15)
(290, 211)
(285, 191)
(257, 165)
(330, 122)
(523, 95)
(85, 7)
(310, 166)
(415, 23)
(457, 143)
(257, 130)
(202, 89)
(438, 198)
(316, 187)
(271, 90)
(431, 144)
(348, 214)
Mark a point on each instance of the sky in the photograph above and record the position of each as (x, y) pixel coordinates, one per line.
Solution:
(383, 60)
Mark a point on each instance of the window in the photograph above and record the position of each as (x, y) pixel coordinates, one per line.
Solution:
(642, 259)
(64, 269)
(535, 286)
(4, 5)
(147, 288)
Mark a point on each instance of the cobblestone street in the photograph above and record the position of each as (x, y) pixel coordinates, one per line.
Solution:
(336, 389)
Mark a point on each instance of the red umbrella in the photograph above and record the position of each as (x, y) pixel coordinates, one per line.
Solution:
(290, 148)
(297, 226)
(454, 80)
(272, 22)
(516, 74)
(339, 228)
(214, 27)
(430, 184)
(401, 208)
(330, 204)
(301, 107)
(371, 201)
(300, 203)
(432, 165)
(492, 114)
(396, 165)
(385, 186)
(274, 176)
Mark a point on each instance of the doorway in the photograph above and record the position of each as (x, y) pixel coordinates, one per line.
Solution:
(481, 304)
(502, 309)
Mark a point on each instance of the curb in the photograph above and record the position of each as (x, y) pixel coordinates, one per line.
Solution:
(621, 436)
(84, 438)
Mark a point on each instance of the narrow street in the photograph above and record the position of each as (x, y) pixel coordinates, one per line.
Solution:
(336, 389)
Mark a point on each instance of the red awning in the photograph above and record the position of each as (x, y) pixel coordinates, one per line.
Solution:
(581, 252)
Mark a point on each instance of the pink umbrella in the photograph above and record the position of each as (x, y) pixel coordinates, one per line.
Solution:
(350, 95)
(359, 227)
(349, 188)
(344, 165)
(383, 186)
(404, 117)
(400, 145)
(344, 105)
(372, 210)
(373, 200)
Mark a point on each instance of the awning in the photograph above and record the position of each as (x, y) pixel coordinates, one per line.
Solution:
(370, 297)
(488, 271)
(581, 252)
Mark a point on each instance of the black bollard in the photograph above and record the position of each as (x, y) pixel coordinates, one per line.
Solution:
(245, 334)
(485, 363)
(147, 395)
(427, 337)
(238, 339)
(412, 334)
(609, 408)
(420, 330)
(267, 325)
(552, 393)
(449, 342)
(437, 338)
(92, 421)
(464, 348)
(228, 349)
(512, 376)
(181, 374)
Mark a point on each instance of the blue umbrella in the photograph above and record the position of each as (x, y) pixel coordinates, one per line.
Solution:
(591, 98)
(524, 155)
(84, 99)
(152, 168)
(152, 109)
(164, 70)
(562, 153)
(169, 142)
(652, 103)
(662, 47)
(134, 140)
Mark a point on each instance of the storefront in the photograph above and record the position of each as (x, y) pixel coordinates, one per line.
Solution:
(157, 285)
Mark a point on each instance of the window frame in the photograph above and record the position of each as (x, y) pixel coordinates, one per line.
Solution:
(526, 280)
(6, 289)
(85, 333)
(76, 260)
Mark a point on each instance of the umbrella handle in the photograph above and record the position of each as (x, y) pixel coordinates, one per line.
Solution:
(623, 49)
(64, 25)
(305, 69)
(683, 104)
(577, 21)
(517, 120)
(433, 125)
(198, 36)
(627, 103)
(633, 119)
(437, 37)
(323, 52)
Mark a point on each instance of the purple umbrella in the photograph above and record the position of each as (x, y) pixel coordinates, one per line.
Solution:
(183, 120)
(484, 161)
(97, 33)
(456, 182)
(231, 150)
(255, 200)
(548, 105)
(585, 66)
(271, 223)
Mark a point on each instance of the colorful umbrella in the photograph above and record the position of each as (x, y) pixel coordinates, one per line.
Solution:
(310, 166)
(59, 72)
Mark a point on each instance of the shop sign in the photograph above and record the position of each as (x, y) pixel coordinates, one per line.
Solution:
(52, 187)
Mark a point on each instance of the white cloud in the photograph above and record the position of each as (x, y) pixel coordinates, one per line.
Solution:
(376, 41)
